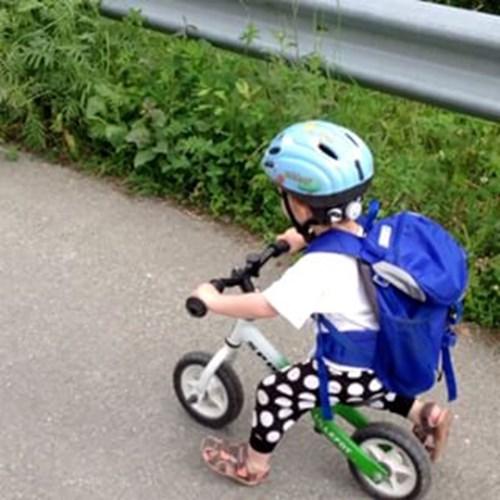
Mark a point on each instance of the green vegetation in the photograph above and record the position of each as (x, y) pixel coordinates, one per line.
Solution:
(180, 118)
(487, 6)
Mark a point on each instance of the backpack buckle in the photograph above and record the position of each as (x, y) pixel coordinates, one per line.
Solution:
(456, 312)
(380, 281)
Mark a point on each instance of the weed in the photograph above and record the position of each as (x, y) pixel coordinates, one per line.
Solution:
(181, 118)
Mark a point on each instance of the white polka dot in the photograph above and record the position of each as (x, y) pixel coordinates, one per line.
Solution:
(377, 404)
(390, 396)
(266, 418)
(293, 374)
(269, 380)
(262, 397)
(306, 405)
(311, 382)
(284, 413)
(307, 396)
(355, 389)
(285, 389)
(332, 400)
(334, 387)
(375, 385)
(354, 374)
(283, 402)
(287, 425)
(273, 437)
(254, 419)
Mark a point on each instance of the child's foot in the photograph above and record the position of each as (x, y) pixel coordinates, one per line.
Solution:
(231, 460)
(433, 429)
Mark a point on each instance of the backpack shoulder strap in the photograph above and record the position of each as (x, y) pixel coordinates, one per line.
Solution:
(369, 287)
(337, 241)
(368, 219)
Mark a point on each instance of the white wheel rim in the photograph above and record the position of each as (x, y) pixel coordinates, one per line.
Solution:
(214, 403)
(403, 473)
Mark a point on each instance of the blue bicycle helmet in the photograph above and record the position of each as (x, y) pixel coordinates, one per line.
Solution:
(323, 164)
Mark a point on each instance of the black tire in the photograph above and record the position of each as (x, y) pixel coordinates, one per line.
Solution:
(225, 377)
(386, 436)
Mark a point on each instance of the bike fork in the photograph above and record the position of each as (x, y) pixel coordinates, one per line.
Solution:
(225, 354)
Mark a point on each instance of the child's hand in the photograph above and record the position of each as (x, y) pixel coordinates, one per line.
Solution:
(246, 305)
(207, 293)
(294, 239)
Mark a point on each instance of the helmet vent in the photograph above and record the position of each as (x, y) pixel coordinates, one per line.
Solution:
(328, 151)
(360, 170)
(351, 138)
(275, 150)
(269, 164)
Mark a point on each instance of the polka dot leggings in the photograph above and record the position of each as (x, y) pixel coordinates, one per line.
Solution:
(283, 397)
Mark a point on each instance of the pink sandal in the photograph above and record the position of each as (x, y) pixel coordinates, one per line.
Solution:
(230, 460)
(433, 433)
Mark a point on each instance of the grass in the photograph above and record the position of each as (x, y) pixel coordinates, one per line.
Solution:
(182, 119)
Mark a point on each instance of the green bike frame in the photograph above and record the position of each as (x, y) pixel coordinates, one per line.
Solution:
(343, 442)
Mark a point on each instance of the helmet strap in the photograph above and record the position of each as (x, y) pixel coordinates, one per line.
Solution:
(305, 228)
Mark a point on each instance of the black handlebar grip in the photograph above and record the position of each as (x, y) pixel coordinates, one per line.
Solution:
(281, 247)
(196, 307)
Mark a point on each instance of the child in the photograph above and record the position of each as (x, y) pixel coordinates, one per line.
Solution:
(322, 171)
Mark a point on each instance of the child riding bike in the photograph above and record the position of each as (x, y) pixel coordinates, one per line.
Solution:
(322, 170)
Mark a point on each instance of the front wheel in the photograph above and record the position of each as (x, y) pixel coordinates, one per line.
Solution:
(223, 399)
(403, 456)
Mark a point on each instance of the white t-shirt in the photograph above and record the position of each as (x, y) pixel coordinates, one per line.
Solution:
(327, 283)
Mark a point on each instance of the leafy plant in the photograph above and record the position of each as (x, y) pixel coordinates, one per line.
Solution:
(181, 118)
(489, 6)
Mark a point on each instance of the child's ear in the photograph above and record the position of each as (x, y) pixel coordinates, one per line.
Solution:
(300, 208)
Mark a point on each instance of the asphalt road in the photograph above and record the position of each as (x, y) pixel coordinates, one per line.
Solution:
(92, 290)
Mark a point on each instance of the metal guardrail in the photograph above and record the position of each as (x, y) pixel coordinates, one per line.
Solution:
(442, 55)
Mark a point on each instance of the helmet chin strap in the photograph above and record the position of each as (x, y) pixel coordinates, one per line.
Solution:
(304, 229)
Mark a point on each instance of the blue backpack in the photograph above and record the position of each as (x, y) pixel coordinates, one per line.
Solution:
(416, 275)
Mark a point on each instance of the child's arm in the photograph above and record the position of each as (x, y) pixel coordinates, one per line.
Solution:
(248, 305)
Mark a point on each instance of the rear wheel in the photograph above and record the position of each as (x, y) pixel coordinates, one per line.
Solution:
(223, 399)
(401, 454)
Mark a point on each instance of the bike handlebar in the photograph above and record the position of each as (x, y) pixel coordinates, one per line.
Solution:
(239, 277)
